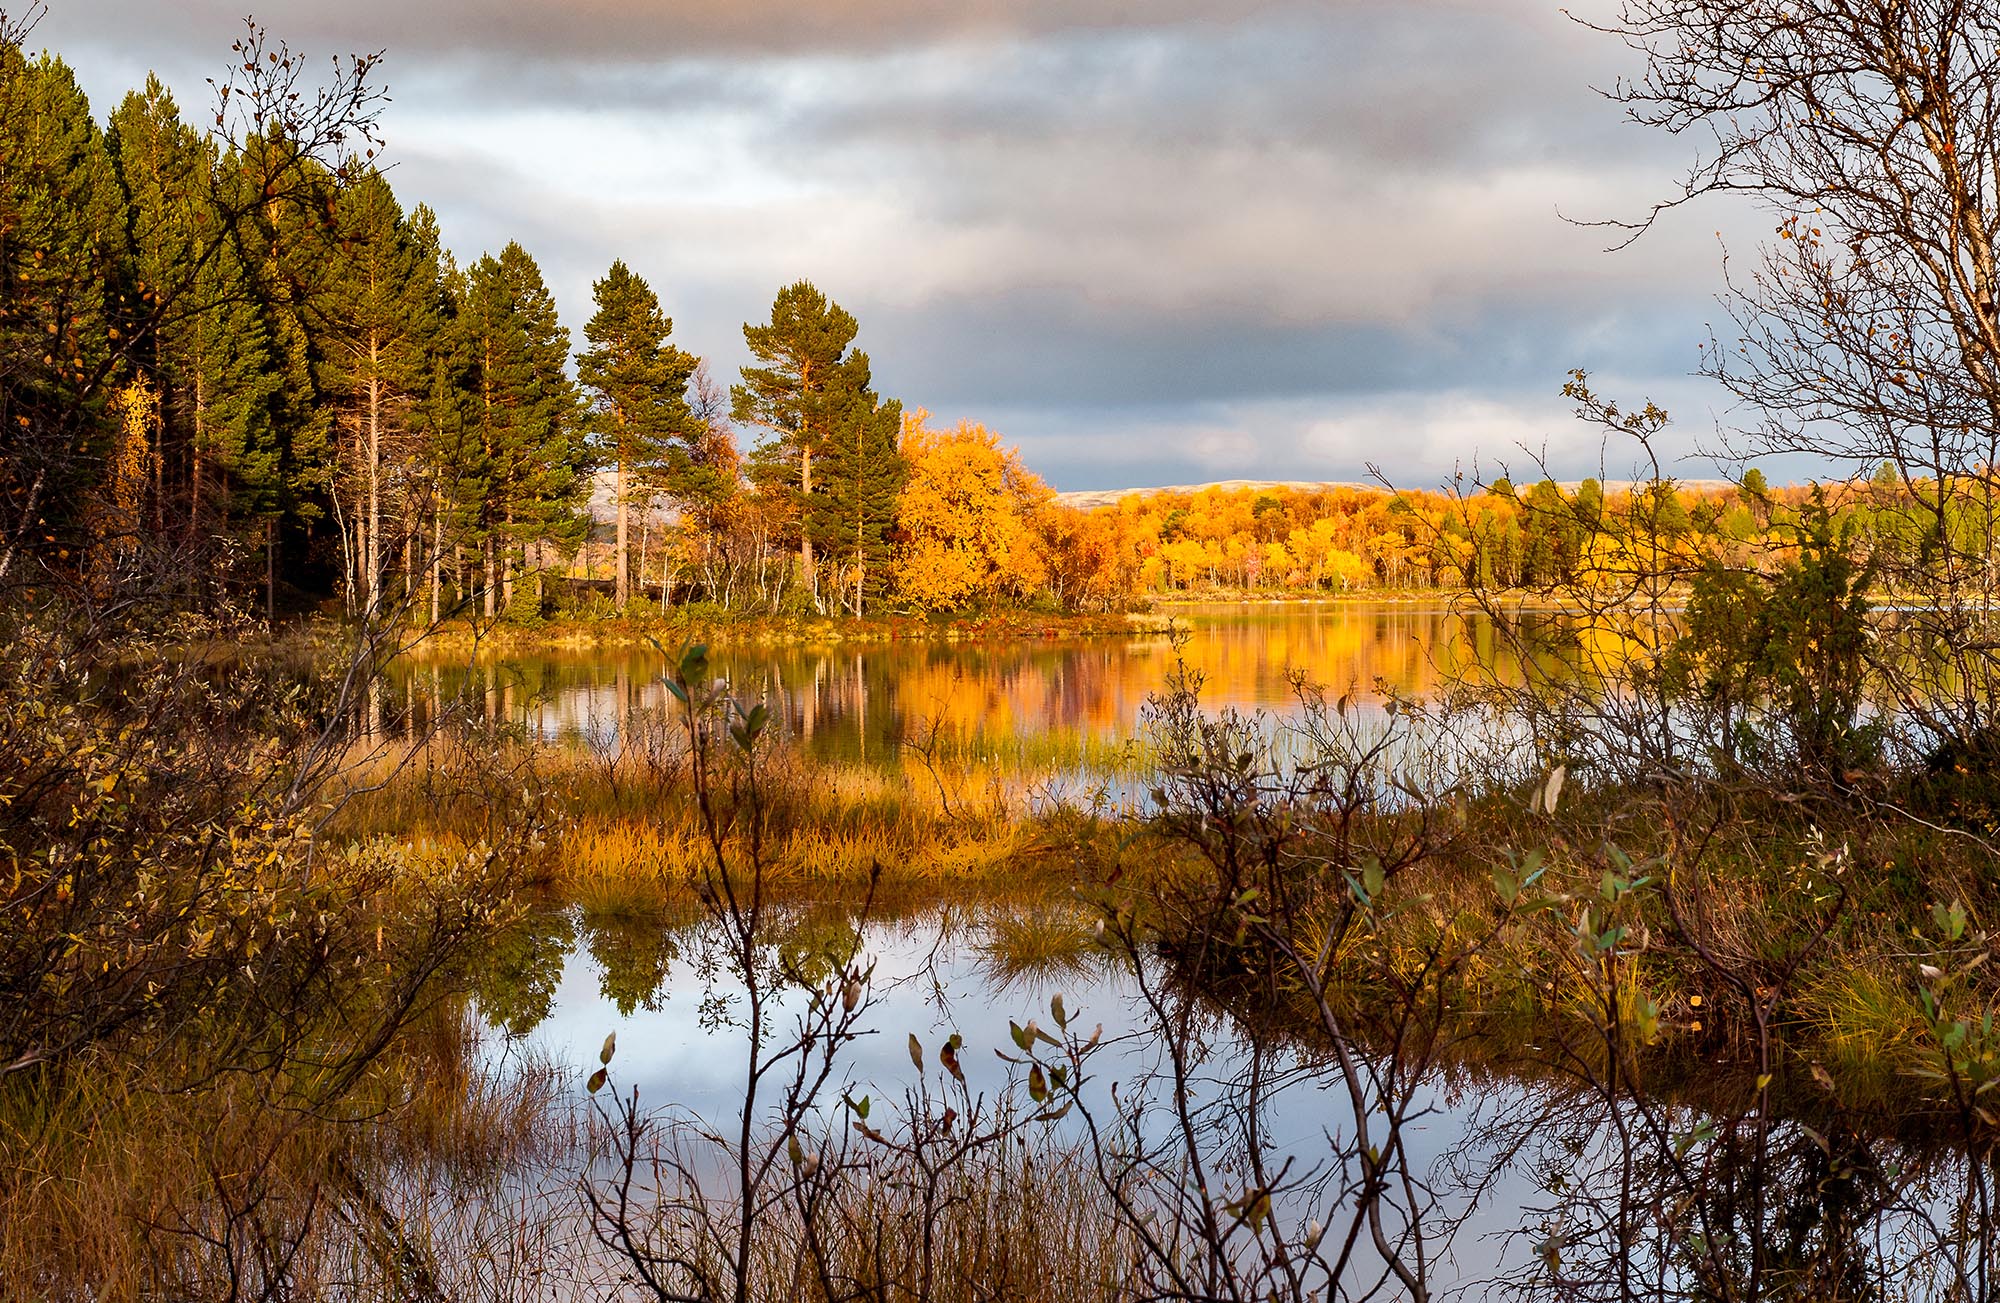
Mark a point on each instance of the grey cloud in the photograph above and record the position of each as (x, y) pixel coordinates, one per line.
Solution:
(620, 31)
(1160, 234)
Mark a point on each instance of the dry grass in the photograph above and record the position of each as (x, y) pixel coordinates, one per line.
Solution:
(628, 826)
(114, 1189)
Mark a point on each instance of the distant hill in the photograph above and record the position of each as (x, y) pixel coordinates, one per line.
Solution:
(1089, 498)
(603, 511)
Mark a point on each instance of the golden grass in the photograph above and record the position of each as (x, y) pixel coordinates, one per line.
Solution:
(113, 1188)
(623, 828)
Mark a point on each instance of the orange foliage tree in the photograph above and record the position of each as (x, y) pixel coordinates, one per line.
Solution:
(965, 519)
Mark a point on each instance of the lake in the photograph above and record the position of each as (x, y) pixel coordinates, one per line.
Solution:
(1500, 1159)
(1025, 700)
(1505, 1155)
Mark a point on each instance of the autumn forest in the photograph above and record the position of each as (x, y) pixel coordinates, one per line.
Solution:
(501, 810)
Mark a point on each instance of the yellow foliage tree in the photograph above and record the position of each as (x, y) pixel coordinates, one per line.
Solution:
(121, 498)
(964, 519)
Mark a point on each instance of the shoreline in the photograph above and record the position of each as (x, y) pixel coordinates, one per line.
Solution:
(783, 631)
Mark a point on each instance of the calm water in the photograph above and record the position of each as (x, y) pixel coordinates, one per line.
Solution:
(1503, 1156)
(1056, 699)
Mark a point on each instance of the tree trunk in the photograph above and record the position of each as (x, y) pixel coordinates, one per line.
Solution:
(194, 454)
(507, 567)
(373, 555)
(623, 584)
(437, 562)
(645, 547)
(805, 521)
(270, 573)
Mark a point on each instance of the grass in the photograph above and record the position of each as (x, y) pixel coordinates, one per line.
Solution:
(639, 626)
(1751, 886)
(116, 1189)
(1046, 940)
(627, 827)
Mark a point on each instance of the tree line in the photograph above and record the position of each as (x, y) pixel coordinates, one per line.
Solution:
(237, 373)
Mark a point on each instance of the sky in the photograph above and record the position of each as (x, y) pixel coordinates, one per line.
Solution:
(1147, 241)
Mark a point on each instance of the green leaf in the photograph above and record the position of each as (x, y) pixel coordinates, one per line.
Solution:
(596, 1081)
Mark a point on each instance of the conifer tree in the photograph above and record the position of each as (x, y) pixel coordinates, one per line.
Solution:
(862, 477)
(640, 413)
(197, 313)
(800, 389)
(441, 415)
(61, 240)
(285, 250)
(532, 460)
(377, 323)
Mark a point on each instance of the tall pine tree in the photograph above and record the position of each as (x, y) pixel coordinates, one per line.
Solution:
(61, 242)
(801, 387)
(377, 323)
(532, 459)
(862, 475)
(638, 382)
(196, 312)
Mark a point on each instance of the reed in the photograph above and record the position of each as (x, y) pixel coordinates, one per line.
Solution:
(629, 826)
(116, 1189)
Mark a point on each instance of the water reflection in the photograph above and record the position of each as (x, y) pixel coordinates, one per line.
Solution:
(1059, 702)
(1529, 1181)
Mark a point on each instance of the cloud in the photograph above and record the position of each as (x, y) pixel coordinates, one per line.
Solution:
(626, 31)
(1146, 232)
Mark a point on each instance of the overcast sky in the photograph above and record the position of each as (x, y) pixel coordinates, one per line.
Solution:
(1149, 241)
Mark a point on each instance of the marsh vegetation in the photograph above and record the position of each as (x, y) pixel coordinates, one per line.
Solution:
(1622, 930)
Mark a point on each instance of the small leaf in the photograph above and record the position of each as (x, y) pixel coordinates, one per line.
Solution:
(596, 1081)
(916, 1052)
(610, 1046)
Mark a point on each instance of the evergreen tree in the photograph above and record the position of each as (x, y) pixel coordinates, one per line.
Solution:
(61, 242)
(532, 460)
(445, 476)
(377, 325)
(640, 413)
(862, 476)
(803, 386)
(285, 486)
(196, 311)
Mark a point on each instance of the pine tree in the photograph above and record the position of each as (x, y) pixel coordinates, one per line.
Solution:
(862, 476)
(376, 318)
(640, 415)
(802, 387)
(443, 471)
(61, 242)
(197, 313)
(532, 460)
(286, 486)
